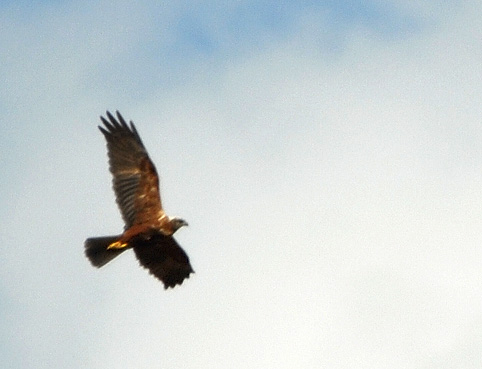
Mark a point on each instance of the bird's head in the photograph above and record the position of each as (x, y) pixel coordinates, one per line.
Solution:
(177, 223)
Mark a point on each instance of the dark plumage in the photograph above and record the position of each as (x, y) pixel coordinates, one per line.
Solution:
(148, 230)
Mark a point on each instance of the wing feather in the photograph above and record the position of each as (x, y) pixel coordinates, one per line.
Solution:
(135, 180)
(164, 259)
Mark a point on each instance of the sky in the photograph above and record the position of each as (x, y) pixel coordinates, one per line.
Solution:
(326, 154)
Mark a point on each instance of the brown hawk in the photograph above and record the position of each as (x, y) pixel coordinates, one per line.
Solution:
(148, 230)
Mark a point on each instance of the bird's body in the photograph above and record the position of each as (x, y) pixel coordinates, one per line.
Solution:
(148, 230)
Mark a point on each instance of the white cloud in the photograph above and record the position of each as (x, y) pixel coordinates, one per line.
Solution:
(333, 203)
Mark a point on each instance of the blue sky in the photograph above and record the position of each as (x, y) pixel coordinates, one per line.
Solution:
(326, 155)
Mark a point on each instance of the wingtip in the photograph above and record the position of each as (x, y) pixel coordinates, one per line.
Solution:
(121, 119)
(112, 119)
(103, 130)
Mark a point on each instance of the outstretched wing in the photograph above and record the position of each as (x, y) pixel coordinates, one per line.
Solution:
(164, 259)
(135, 179)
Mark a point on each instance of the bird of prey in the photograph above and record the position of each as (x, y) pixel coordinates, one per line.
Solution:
(148, 230)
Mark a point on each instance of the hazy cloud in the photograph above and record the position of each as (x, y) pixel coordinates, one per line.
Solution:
(326, 157)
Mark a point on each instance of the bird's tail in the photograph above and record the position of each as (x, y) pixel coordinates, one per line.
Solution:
(97, 252)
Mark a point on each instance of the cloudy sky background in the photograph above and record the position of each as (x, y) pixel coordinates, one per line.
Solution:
(327, 156)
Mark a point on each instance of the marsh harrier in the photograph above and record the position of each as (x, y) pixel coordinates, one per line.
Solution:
(148, 229)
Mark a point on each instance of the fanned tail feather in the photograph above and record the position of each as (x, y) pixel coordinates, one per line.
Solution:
(97, 252)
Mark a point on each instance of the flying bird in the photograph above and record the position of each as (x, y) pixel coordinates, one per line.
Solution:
(148, 229)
